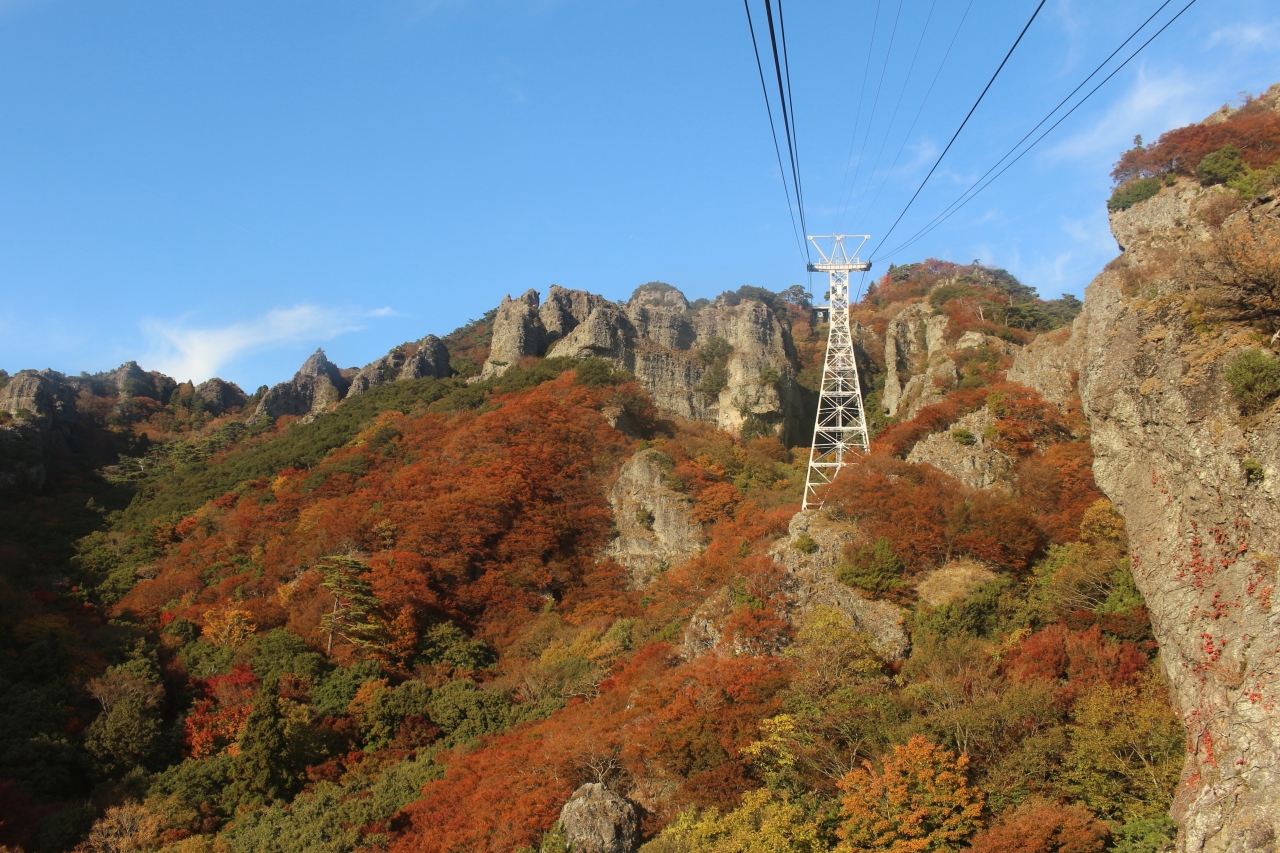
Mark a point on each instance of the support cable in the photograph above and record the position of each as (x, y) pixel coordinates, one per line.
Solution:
(920, 111)
(862, 92)
(862, 203)
(875, 102)
(972, 193)
(786, 117)
(969, 115)
(773, 130)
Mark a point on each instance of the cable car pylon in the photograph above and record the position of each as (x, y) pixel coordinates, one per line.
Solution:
(840, 430)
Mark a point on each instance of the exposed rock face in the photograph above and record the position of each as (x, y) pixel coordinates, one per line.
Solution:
(655, 525)
(317, 386)
(1050, 364)
(565, 310)
(41, 396)
(705, 629)
(811, 581)
(659, 340)
(911, 342)
(605, 333)
(427, 357)
(219, 396)
(596, 820)
(517, 332)
(977, 464)
(1169, 445)
(42, 405)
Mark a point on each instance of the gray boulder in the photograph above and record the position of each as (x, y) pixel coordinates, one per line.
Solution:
(596, 820)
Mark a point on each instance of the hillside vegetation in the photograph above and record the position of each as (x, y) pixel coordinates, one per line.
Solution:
(393, 626)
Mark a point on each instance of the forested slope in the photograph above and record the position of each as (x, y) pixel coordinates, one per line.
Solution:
(406, 620)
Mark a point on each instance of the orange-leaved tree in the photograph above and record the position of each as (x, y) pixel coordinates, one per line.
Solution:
(919, 801)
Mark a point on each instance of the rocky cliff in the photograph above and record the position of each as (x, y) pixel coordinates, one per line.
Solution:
(427, 357)
(318, 385)
(731, 362)
(1196, 479)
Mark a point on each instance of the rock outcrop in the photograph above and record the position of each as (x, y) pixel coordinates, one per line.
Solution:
(914, 345)
(425, 358)
(1050, 364)
(658, 338)
(316, 387)
(965, 451)
(1170, 449)
(42, 397)
(596, 820)
(565, 310)
(810, 554)
(517, 332)
(656, 530)
(219, 397)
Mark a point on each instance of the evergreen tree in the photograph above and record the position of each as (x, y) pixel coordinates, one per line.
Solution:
(353, 617)
(263, 767)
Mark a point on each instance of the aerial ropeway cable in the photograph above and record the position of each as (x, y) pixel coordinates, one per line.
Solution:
(968, 116)
(782, 72)
(983, 182)
(773, 131)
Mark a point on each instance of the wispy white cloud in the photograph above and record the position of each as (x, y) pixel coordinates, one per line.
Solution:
(190, 352)
(1153, 101)
(1243, 36)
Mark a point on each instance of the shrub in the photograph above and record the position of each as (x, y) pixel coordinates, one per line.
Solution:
(1253, 471)
(769, 375)
(1254, 378)
(961, 435)
(804, 544)
(873, 568)
(715, 350)
(1131, 192)
(1218, 167)
(595, 373)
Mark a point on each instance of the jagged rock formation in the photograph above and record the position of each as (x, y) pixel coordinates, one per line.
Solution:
(565, 310)
(1170, 446)
(596, 820)
(517, 332)
(811, 581)
(914, 346)
(40, 406)
(660, 340)
(38, 396)
(965, 451)
(427, 357)
(219, 397)
(318, 385)
(656, 530)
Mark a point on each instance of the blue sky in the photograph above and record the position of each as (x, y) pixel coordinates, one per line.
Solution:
(221, 187)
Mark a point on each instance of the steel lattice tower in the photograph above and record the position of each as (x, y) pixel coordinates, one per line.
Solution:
(841, 426)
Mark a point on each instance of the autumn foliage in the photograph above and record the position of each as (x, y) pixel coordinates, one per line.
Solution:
(1254, 130)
